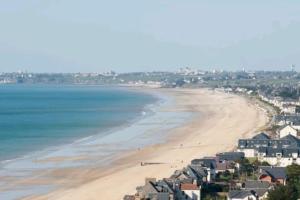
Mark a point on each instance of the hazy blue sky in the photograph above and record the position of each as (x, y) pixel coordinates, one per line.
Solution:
(145, 35)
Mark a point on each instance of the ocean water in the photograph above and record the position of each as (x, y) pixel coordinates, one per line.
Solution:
(40, 124)
(34, 117)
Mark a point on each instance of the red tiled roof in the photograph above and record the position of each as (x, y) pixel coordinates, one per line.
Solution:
(188, 186)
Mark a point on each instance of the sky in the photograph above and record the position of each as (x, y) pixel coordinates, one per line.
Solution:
(148, 35)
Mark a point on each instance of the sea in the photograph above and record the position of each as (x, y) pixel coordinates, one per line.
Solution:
(41, 123)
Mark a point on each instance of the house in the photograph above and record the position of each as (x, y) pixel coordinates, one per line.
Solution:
(192, 191)
(190, 174)
(181, 176)
(207, 163)
(186, 183)
(158, 190)
(227, 161)
(225, 165)
(287, 130)
(261, 188)
(199, 172)
(241, 195)
(272, 174)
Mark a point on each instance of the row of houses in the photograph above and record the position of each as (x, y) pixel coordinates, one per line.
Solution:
(287, 106)
(235, 90)
(282, 152)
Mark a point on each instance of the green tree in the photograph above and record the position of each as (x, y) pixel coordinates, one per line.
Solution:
(292, 189)
(256, 163)
(226, 173)
(287, 192)
(246, 167)
(293, 175)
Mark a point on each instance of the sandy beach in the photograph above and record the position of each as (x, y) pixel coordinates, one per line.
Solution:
(220, 120)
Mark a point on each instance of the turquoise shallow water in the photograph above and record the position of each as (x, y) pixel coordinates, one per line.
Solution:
(33, 117)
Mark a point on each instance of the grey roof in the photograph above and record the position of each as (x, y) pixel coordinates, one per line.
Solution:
(199, 170)
(294, 141)
(163, 186)
(152, 188)
(272, 152)
(194, 173)
(262, 150)
(251, 185)
(231, 156)
(288, 152)
(293, 119)
(240, 193)
(181, 176)
(205, 162)
(261, 136)
(252, 144)
(261, 192)
(288, 141)
(259, 187)
(262, 140)
(274, 172)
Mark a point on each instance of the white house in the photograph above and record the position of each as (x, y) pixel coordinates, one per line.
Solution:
(288, 130)
(191, 190)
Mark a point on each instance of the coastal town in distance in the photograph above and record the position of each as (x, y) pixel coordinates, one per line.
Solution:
(263, 166)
